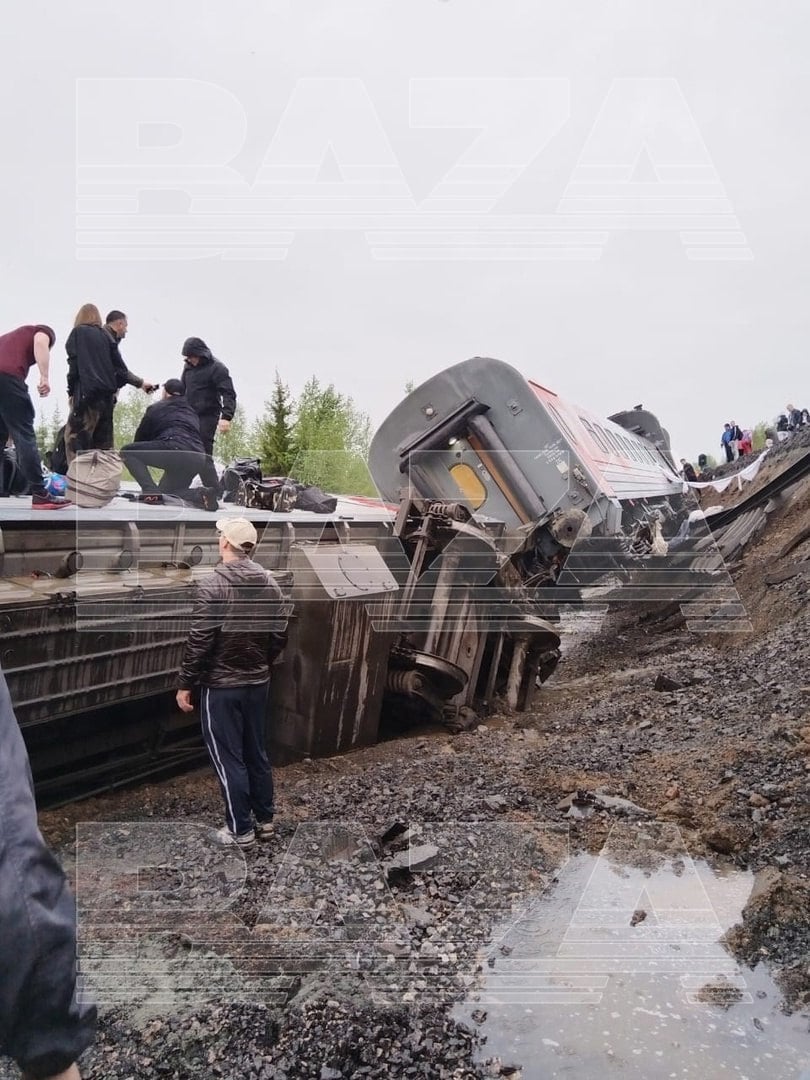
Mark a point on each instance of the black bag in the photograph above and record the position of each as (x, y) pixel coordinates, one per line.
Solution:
(56, 459)
(315, 501)
(239, 471)
(12, 481)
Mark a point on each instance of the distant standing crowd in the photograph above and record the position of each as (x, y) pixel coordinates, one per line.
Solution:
(737, 442)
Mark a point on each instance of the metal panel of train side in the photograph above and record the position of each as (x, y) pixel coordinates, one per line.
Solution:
(328, 696)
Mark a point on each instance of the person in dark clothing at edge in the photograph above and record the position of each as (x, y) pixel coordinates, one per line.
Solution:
(237, 630)
(210, 393)
(116, 326)
(43, 1027)
(20, 349)
(168, 438)
(96, 372)
(688, 471)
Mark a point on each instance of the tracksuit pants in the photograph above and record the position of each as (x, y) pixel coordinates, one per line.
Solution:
(233, 723)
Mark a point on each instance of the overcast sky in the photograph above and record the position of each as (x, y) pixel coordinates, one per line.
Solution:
(701, 321)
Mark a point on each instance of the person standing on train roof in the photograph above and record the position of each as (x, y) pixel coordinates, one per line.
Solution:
(96, 372)
(20, 349)
(209, 389)
(237, 631)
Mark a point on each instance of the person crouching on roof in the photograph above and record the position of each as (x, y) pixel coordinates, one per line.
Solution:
(168, 438)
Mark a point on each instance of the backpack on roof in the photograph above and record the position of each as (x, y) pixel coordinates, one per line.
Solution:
(275, 493)
(93, 477)
(238, 473)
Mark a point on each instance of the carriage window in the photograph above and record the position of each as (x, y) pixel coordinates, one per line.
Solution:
(614, 442)
(599, 442)
(603, 440)
(563, 426)
(631, 448)
(469, 484)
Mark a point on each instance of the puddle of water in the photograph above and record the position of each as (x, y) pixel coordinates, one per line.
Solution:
(573, 989)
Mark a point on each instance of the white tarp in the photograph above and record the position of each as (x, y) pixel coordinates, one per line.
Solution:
(748, 473)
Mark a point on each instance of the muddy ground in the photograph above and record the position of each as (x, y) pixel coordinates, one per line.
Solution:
(362, 956)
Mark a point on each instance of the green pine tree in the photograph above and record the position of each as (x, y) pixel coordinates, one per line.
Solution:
(274, 432)
(43, 433)
(56, 425)
(331, 438)
(238, 441)
(759, 436)
(129, 410)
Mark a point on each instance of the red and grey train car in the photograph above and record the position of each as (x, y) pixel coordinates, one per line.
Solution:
(510, 449)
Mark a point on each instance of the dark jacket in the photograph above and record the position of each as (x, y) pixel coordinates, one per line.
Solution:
(132, 379)
(236, 628)
(173, 421)
(208, 385)
(42, 1026)
(95, 367)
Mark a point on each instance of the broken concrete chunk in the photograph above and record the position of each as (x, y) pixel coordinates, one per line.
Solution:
(416, 915)
(584, 800)
(421, 857)
(666, 682)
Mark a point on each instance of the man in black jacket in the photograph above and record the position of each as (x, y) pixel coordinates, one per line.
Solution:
(96, 372)
(42, 1024)
(116, 327)
(237, 631)
(168, 438)
(210, 393)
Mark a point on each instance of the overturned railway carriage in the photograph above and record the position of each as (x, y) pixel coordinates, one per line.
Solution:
(425, 605)
(511, 450)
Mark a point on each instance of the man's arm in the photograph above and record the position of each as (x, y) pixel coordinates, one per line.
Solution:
(206, 622)
(42, 356)
(138, 382)
(226, 392)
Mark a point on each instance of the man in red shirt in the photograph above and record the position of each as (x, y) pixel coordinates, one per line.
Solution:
(19, 351)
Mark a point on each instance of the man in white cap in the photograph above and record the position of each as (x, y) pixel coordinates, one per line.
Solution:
(237, 631)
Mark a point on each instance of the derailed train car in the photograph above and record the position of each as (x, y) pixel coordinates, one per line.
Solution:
(424, 604)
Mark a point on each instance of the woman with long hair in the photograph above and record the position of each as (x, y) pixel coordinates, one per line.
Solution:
(96, 372)
(87, 315)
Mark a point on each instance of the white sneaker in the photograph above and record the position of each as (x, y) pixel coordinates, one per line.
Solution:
(264, 830)
(243, 840)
